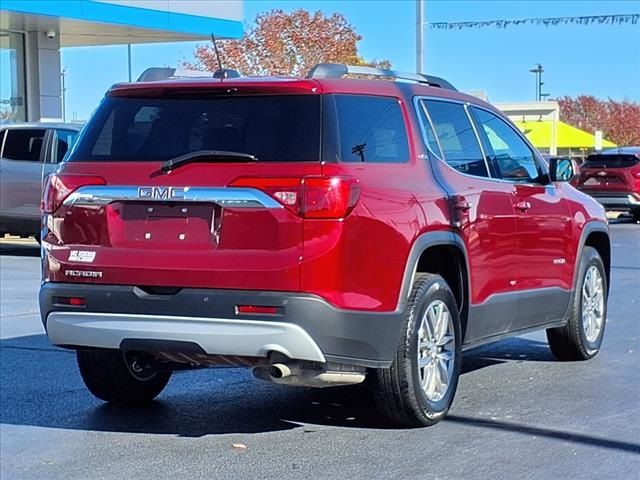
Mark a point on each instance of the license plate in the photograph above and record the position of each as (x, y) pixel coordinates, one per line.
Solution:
(169, 224)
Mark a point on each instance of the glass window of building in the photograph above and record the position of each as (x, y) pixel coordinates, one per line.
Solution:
(13, 102)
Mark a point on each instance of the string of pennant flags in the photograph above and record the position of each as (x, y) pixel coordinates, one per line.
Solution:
(546, 22)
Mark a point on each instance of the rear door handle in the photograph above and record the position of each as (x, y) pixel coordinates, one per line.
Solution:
(461, 203)
(523, 205)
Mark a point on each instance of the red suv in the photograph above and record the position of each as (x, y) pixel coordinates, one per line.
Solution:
(320, 230)
(613, 179)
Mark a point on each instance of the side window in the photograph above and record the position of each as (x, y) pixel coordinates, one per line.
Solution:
(459, 143)
(510, 155)
(430, 136)
(367, 129)
(23, 144)
(63, 140)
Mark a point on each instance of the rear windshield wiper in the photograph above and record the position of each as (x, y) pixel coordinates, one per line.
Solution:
(206, 156)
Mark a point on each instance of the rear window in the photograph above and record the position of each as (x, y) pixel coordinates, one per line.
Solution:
(611, 161)
(273, 128)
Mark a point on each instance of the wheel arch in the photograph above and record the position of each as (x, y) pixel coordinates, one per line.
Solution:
(596, 235)
(441, 253)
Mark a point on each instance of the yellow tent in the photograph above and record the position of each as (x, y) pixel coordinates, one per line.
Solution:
(541, 135)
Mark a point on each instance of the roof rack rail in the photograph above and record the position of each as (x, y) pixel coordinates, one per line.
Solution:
(339, 70)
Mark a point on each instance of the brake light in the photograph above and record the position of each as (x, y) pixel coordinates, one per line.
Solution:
(58, 187)
(310, 197)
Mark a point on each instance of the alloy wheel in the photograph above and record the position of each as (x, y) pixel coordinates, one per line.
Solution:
(436, 350)
(592, 304)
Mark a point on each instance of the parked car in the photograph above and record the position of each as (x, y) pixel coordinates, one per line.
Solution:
(613, 179)
(321, 231)
(28, 153)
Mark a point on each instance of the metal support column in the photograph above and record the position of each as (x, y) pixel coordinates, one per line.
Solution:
(419, 36)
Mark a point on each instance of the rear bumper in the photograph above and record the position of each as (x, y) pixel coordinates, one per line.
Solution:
(617, 201)
(305, 327)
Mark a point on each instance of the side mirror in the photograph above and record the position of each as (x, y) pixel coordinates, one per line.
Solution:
(562, 169)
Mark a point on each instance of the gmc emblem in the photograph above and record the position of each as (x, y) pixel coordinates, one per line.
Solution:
(161, 193)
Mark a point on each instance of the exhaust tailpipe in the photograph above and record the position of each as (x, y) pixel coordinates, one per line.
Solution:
(283, 370)
(293, 374)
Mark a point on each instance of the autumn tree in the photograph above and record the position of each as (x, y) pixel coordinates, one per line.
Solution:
(280, 43)
(619, 121)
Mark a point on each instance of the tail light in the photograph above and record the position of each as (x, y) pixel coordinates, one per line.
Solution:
(309, 197)
(58, 187)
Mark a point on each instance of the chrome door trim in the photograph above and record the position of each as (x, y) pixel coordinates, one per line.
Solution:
(418, 101)
(417, 104)
(420, 106)
(4, 135)
(231, 197)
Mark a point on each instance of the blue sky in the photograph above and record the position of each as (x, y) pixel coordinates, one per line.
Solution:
(600, 60)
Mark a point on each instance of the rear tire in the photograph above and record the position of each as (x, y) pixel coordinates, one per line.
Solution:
(421, 358)
(581, 337)
(636, 215)
(107, 376)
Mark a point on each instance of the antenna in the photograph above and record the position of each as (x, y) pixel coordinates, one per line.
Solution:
(221, 73)
(215, 48)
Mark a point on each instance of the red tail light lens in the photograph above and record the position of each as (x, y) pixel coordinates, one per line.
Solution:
(256, 309)
(330, 197)
(58, 187)
(73, 301)
(310, 197)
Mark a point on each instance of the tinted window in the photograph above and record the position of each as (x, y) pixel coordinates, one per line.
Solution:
(273, 128)
(459, 143)
(364, 129)
(23, 144)
(62, 142)
(610, 161)
(510, 155)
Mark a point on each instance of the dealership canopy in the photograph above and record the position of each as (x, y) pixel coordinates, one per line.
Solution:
(112, 22)
(33, 31)
(540, 133)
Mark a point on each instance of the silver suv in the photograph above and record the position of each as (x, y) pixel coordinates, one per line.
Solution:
(28, 153)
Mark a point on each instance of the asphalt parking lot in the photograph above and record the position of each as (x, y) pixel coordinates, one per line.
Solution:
(518, 413)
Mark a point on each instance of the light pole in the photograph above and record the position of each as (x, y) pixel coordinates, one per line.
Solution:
(63, 75)
(129, 60)
(419, 36)
(538, 72)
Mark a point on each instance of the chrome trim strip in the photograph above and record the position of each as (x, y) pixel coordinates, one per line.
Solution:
(216, 336)
(232, 197)
(419, 105)
(4, 136)
(536, 154)
(419, 102)
(419, 98)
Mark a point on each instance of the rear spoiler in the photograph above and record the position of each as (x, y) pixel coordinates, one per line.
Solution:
(155, 74)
